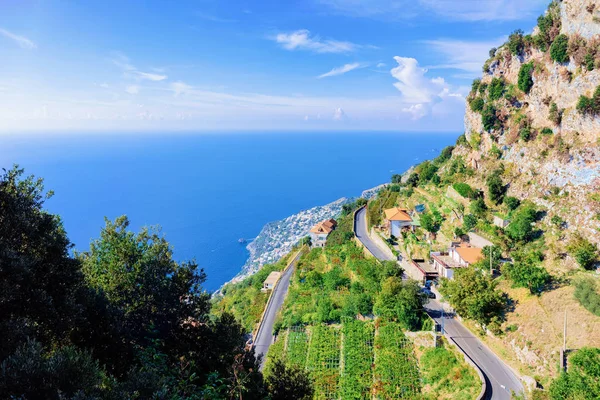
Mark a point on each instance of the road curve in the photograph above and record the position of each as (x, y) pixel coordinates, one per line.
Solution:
(264, 336)
(500, 380)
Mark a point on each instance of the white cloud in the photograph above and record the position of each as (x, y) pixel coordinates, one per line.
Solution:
(180, 88)
(132, 89)
(339, 114)
(463, 55)
(421, 92)
(381, 65)
(302, 40)
(463, 10)
(150, 76)
(122, 61)
(22, 41)
(342, 70)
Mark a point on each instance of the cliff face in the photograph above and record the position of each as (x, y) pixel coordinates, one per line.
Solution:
(549, 148)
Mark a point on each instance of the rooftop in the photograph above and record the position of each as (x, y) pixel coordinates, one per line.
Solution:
(324, 226)
(273, 278)
(397, 214)
(469, 254)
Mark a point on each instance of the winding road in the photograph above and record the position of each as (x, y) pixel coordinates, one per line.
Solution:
(500, 379)
(264, 336)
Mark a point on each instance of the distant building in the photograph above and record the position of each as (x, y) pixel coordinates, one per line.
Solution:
(501, 222)
(320, 232)
(425, 270)
(271, 280)
(396, 220)
(456, 257)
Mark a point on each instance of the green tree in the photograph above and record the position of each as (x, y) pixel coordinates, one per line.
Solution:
(496, 89)
(489, 118)
(413, 180)
(521, 227)
(496, 188)
(469, 222)
(288, 382)
(427, 171)
(474, 295)
(525, 81)
(582, 380)
(430, 222)
(584, 252)
(559, 51)
(528, 275)
(476, 104)
(512, 203)
(478, 207)
(400, 301)
(516, 45)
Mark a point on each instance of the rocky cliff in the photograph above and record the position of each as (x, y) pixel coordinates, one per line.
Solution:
(527, 110)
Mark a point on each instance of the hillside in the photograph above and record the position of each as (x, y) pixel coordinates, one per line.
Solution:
(530, 155)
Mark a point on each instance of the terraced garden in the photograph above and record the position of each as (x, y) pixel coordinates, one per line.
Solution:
(354, 360)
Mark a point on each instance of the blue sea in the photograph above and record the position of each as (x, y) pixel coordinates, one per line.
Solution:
(208, 190)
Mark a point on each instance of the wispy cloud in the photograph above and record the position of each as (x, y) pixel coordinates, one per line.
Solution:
(213, 18)
(122, 61)
(22, 41)
(343, 69)
(132, 89)
(463, 55)
(303, 40)
(488, 10)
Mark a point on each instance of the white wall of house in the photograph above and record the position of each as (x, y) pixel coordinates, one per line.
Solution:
(318, 239)
(397, 226)
(442, 270)
(457, 258)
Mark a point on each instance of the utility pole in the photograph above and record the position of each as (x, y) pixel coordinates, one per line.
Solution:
(565, 333)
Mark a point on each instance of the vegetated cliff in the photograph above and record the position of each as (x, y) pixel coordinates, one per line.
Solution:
(527, 111)
(533, 119)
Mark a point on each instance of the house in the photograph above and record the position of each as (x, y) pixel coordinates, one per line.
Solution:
(425, 271)
(396, 220)
(501, 222)
(459, 256)
(271, 280)
(320, 232)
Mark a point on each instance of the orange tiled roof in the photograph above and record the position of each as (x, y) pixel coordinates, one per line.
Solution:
(470, 254)
(397, 214)
(324, 226)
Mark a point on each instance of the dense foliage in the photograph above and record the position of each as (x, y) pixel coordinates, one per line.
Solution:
(400, 301)
(586, 292)
(527, 273)
(496, 188)
(288, 382)
(496, 89)
(589, 106)
(473, 294)
(464, 190)
(582, 381)
(521, 226)
(525, 81)
(123, 320)
(559, 50)
(584, 252)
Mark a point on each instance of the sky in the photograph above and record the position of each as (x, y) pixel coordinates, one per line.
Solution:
(213, 65)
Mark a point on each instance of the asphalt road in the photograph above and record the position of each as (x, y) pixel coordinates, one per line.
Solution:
(499, 377)
(362, 235)
(264, 337)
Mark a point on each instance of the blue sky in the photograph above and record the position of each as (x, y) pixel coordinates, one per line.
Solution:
(402, 65)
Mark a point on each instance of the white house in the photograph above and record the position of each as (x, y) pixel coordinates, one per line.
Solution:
(456, 257)
(396, 220)
(501, 222)
(320, 232)
(271, 280)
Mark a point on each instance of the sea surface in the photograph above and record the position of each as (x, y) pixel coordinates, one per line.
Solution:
(208, 190)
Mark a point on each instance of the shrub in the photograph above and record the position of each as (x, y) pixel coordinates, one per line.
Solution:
(496, 188)
(584, 252)
(464, 190)
(496, 88)
(547, 131)
(586, 292)
(475, 85)
(555, 115)
(469, 222)
(516, 45)
(525, 82)
(462, 140)
(581, 381)
(512, 203)
(495, 152)
(589, 62)
(444, 156)
(478, 207)
(559, 51)
(489, 118)
(476, 104)
(528, 275)
(482, 88)
(520, 228)
(525, 133)
(590, 106)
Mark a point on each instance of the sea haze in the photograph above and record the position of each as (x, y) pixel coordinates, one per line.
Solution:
(208, 190)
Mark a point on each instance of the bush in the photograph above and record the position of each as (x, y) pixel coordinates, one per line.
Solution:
(483, 88)
(586, 292)
(527, 274)
(464, 190)
(489, 118)
(582, 380)
(525, 82)
(475, 85)
(549, 25)
(469, 222)
(589, 106)
(444, 156)
(478, 208)
(495, 152)
(476, 104)
(555, 115)
(559, 51)
(584, 252)
(547, 131)
(400, 301)
(462, 140)
(525, 133)
(520, 228)
(516, 45)
(496, 89)
(496, 188)
(512, 203)
(427, 171)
